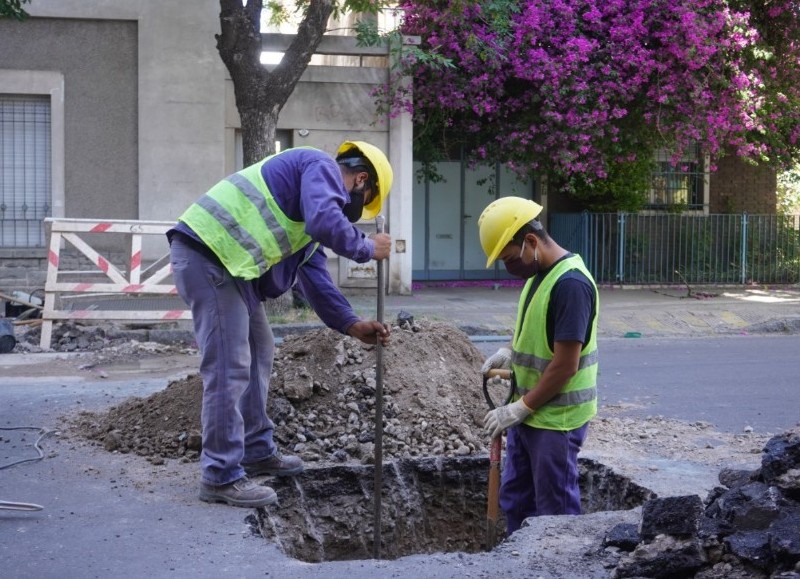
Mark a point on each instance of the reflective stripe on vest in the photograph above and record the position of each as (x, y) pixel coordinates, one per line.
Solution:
(577, 402)
(239, 220)
(566, 398)
(540, 364)
(257, 198)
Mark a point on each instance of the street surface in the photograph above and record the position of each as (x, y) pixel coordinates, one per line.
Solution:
(732, 382)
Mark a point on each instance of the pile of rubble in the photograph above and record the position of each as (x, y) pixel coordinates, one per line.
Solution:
(749, 527)
(322, 400)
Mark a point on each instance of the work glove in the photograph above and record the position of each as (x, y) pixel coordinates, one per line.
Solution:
(497, 420)
(500, 359)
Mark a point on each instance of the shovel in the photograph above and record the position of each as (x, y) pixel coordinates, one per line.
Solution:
(492, 507)
(378, 482)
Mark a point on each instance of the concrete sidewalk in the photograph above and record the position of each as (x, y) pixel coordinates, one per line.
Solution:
(481, 309)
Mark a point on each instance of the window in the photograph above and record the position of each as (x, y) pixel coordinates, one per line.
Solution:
(25, 169)
(681, 185)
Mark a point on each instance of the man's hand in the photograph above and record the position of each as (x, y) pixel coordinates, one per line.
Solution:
(500, 359)
(370, 332)
(383, 245)
(497, 420)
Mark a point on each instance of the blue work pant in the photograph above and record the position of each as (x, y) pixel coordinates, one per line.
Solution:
(540, 473)
(236, 353)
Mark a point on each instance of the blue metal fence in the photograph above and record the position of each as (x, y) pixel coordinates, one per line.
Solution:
(631, 248)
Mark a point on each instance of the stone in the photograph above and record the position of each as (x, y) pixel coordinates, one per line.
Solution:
(781, 454)
(784, 540)
(625, 536)
(675, 516)
(752, 506)
(732, 477)
(751, 546)
(664, 557)
(789, 483)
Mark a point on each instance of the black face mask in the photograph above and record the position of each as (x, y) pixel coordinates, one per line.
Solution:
(519, 268)
(355, 208)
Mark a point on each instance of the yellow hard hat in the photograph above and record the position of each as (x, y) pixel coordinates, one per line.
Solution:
(501, 220)
(383, 172)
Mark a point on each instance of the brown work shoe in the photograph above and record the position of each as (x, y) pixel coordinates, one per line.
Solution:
(276, 465)
(240, 493)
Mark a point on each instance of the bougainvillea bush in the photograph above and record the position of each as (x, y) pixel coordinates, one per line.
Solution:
(583, 88)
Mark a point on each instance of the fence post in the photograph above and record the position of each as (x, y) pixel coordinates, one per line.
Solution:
(621, 247)
(744, 248)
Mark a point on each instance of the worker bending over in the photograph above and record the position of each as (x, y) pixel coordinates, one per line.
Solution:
(249, 238)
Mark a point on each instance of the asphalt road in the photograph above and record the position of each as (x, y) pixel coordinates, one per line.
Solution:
(732, 382)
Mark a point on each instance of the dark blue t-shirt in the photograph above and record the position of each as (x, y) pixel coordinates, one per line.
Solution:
(571, 310)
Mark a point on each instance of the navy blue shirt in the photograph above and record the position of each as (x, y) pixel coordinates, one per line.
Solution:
(571, 310)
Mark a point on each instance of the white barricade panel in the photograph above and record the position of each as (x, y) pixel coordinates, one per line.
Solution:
(126, 279)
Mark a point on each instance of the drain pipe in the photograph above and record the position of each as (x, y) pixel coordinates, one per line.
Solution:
(378, 490)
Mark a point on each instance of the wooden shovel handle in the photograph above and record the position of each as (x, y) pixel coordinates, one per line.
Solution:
(501, 372)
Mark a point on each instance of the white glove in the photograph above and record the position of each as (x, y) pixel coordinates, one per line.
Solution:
(500, 359)
(497, 420)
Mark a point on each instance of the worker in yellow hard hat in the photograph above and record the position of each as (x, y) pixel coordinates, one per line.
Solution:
(251, 237)
(553, 357)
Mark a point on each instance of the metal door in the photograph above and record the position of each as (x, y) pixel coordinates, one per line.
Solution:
(445, 228)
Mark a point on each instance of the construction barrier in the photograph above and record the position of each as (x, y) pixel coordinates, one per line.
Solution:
(133, 282)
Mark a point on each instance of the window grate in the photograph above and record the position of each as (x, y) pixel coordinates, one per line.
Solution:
(680, 185)
(25, 170)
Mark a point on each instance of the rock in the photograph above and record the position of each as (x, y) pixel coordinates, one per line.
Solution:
(665, 557)
(194, 441)
(675, 516)
(781, 454)
(752, 506)
(298, 386)
(789, 483)
(784, 540)
(732, 478)
(751, 546)
(113, 441)
(624, 536)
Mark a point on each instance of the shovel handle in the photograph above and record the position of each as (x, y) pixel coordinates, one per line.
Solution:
(499, 372)
(503, 374)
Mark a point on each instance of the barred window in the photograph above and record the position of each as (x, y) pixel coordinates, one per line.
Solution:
(25, 169)
(680, 185)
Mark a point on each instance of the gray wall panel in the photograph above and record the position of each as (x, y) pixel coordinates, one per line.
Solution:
(98, 59)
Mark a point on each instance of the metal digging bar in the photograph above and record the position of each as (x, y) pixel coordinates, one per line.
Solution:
(377, 492)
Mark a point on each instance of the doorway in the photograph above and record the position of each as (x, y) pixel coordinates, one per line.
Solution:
(445, 227)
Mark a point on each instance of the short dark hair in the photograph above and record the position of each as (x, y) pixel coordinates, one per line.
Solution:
(533, 226)
(357, 163)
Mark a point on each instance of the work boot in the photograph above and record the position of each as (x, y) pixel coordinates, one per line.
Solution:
(240, 493)
(275, 465)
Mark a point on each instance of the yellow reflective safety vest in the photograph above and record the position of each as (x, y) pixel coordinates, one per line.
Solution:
(577, 402)
(242, 224)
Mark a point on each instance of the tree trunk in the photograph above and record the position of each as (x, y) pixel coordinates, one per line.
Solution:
(260, 92)
(258, 134)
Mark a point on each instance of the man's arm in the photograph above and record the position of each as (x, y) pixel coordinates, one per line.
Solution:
(331, 306)
(322, 197)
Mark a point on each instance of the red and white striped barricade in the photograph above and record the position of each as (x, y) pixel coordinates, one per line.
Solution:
(136, 281)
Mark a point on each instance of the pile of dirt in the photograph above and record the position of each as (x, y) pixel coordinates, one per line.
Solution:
(322, 400)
